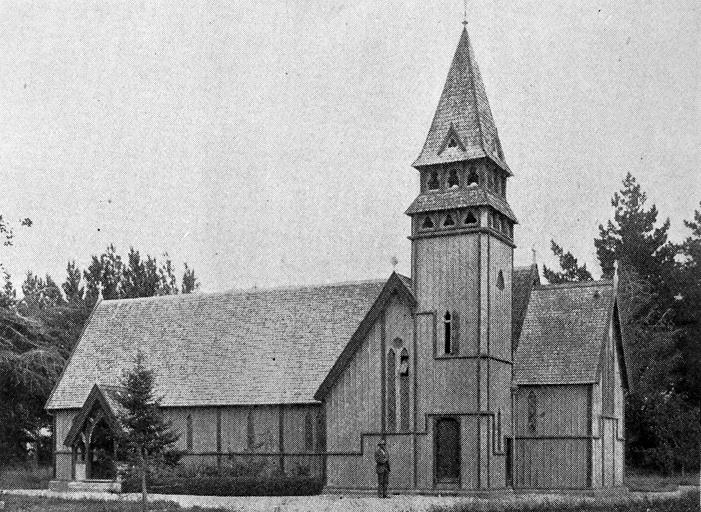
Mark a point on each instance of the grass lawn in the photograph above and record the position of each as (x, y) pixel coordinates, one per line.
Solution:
(39, 504)
(688, 502)
(637, 480)
(21, 477)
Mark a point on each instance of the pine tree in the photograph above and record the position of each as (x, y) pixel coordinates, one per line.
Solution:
(190, 283)
(570, 268)
(72, 287)
(146, 435)
(632, 236)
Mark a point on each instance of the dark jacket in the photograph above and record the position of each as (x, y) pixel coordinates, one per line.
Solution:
(382, 460)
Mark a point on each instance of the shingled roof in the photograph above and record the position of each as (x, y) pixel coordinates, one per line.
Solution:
(459, 198)
(523, 281)
(267, 346)
(563, 333)
(463, 113)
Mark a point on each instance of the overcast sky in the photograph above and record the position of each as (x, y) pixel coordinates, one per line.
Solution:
(270, 143)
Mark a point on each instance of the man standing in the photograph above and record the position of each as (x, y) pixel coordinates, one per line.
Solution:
(382, 463)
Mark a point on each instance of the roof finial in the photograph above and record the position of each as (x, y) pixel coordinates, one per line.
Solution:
(464, 17)
(535, 254)
(394, 261)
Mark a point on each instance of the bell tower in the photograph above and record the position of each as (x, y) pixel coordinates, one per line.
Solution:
(462, 262)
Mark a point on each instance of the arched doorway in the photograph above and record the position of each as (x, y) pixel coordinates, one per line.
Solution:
(447, 451)
(101, 453)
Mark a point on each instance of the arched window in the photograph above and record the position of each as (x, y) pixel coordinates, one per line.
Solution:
(473, 178)
(404, 390)
(532, 412)
(499, 436)
(448, 222)
(391, 391)
(447, 334)
(453, 179)
(433, 183)
(500, 280)
(320, 433)
(452, 143)
(188, 432)
(427, 223)
(309, 432)
(250, 431)
(470, 218)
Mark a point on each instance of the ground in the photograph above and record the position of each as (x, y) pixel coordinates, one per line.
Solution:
(25, 491)
(682, 500)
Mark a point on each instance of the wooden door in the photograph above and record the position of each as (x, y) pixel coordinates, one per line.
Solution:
(509, 462)
(447, 450)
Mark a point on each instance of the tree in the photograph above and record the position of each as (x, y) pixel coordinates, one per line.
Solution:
(72, 286)
(632, 235)
(106, 273)
(190, 283)
(687, 307)
(40, 293)
(570, 268)
(146, 435)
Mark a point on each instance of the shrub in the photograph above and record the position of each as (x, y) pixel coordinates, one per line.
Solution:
(232, 479)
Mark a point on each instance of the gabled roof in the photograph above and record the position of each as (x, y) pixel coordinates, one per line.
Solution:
(397, 285)
(522, 282)
(248, 347)
(463, 112)
(459, 198)
(562, 336)
(106, 398)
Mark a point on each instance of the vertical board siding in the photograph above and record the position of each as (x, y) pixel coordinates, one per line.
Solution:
(353, 406)
(549, 458)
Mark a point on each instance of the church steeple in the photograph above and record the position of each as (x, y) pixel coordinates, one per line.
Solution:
(463, 127)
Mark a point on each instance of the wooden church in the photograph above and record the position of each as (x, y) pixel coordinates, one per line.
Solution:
(478, 376)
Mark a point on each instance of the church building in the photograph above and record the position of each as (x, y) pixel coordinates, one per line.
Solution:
(478, 376)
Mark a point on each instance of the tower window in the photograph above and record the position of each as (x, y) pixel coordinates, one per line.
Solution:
(499, 436)
(500, 280)
(452, 143)
(447, 334)
(470, 218)
(427, 223)
(472, 178)
(433, 183)
(453, 179)
(448, 221)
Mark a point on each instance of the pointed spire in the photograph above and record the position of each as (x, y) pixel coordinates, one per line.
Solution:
(463, 127)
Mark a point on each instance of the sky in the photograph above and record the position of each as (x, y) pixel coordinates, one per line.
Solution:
(270, 143)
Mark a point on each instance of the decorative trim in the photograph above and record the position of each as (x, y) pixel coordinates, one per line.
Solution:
(461, 231)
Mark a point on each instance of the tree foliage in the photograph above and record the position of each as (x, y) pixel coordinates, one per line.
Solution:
(39, 331)
(570, 270)
(146, 436)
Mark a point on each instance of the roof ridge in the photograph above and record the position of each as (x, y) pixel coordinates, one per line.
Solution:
(576, 284)
(241, 291)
